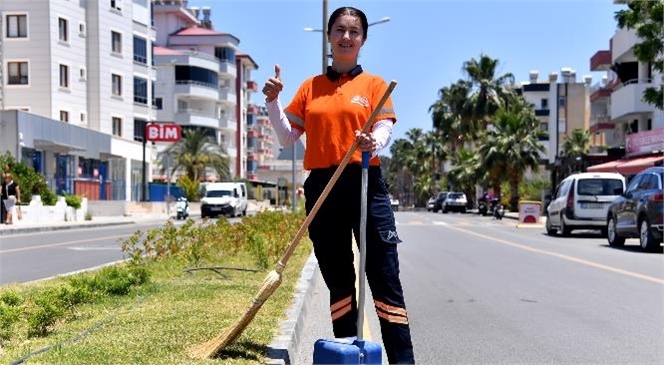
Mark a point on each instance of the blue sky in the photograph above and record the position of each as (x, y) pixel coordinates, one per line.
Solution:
(424, 44)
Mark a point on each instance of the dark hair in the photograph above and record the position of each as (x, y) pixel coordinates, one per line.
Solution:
(349, 10)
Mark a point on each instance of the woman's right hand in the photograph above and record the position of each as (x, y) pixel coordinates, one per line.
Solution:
(273, 86)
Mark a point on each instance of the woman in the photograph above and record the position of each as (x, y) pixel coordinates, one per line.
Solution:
(332, 109)
(11, 196)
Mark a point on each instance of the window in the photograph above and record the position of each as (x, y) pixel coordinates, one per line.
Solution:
(225, 54)
(140, 90)
(82, 117)
(117, 85)
(64, 116)
(81, 73)
(17, 26)
(18, 73)
(117, 126)
(140, 50)
(63, 30)
(561, 101)
(544, 104)
(64, 76)
(196, 75)
(81, 29)
(116, 42)
(158, 102)
(115, 4)
(139, 129)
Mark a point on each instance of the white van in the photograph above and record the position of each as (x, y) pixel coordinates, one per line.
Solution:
(582, 200)
(227, 198)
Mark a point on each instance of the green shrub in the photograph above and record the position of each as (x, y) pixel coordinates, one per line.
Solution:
(73, 200)
(9, 315)
(30, 181)
(11, 298)
(47, 310)
(48, 196)
(189, 188)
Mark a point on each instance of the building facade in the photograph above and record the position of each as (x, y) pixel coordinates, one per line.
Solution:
(87, 65)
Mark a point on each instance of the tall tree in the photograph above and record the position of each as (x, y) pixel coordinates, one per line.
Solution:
(647, 19)
(197, 151)
(489, 90)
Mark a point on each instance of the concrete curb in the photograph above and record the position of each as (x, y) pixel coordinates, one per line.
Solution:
(17, 230)
(287, 342)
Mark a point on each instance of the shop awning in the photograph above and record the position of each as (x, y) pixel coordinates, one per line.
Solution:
(610, 166)
(637, 165)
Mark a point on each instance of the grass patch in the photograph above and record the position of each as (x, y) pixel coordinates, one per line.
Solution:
(157, 321)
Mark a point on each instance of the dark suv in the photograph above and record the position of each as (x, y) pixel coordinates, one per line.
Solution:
(438, 204)
(639, 212)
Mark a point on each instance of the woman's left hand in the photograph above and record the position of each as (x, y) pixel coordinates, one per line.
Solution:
(366, 141)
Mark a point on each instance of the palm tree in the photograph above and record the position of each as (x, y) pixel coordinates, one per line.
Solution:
(463, 175)
(576, 144)
(516, 137)
(197, 151)
(489, 92)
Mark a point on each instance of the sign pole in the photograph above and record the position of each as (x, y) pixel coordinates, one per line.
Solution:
(144, 179)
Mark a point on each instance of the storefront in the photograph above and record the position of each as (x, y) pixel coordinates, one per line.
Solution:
(643, 150)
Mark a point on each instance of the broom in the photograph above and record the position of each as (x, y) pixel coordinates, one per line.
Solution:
(273, 278)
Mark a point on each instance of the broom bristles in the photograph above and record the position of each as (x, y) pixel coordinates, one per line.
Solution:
(212, 347)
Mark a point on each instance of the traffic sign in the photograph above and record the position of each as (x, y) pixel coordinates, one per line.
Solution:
(163, 132)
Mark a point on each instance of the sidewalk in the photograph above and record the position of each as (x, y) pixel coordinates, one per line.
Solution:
(97, 221)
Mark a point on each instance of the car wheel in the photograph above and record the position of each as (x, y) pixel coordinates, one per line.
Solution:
(646, 238)
(612, 234)
(549, 229)
(564, 230)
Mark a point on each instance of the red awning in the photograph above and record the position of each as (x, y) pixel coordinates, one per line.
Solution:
(610, 166)
(638, 164)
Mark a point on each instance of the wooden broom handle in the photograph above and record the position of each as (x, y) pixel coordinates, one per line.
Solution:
(291, 247)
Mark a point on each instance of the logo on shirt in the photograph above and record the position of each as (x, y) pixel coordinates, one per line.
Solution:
(361, 100)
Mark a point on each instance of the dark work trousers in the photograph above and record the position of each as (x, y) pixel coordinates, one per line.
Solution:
(331, 233)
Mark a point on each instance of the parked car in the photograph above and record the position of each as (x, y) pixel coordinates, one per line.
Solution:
(581, 201)
(430, 203)
(639, 212)
(455, 202)
(438, 203)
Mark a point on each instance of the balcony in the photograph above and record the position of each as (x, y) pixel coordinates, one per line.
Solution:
(227, 69)
(627, 100)
(252, 109)
(196, 117)
(196, 89)
(252, 85)
(600, 122)
(600, 61)
(542, 112)
(227, 123)
(226, 95)
(622, 45)
(601, 93)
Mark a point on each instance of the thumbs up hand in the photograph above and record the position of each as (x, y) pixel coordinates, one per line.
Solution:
(273, 85)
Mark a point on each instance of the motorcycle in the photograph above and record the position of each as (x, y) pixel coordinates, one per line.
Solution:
(181, 209)
(498, 211)
(482, 208)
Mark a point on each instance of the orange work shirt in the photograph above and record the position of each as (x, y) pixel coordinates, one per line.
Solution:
(330, 109)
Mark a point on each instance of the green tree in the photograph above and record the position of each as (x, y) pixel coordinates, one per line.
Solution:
(489, 91)
(197, 151)
(647, 19)
(576, 144)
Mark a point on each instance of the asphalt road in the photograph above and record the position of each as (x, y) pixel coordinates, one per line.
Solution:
(481, 291)
(32, 256)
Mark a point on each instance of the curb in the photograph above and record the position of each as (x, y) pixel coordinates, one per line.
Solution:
(287, 341)
(17, 230)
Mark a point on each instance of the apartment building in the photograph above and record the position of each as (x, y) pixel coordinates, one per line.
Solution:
(561, 106)
(619, 113)
(76, 81)
(203, 79)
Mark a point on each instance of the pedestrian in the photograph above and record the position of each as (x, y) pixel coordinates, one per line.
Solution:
(11, 195)
(3, 212)
(332, 109)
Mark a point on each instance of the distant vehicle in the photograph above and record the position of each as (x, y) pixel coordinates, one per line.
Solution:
(639, 212)
(394, 203)
(455, 202)
(430, 203)
(224, 198)
(582, 200)
(440, 198)
(181, 208)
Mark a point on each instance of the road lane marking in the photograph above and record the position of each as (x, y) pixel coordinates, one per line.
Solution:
(566, 257)
(62, 244)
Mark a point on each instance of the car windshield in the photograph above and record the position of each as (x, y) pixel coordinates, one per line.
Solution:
(454, 195)
(217, 193)
(599, 186)
(441, 195)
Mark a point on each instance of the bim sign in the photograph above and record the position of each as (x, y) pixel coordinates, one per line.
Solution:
(162, 132)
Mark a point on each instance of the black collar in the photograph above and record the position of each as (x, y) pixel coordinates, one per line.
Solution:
(334, 75)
